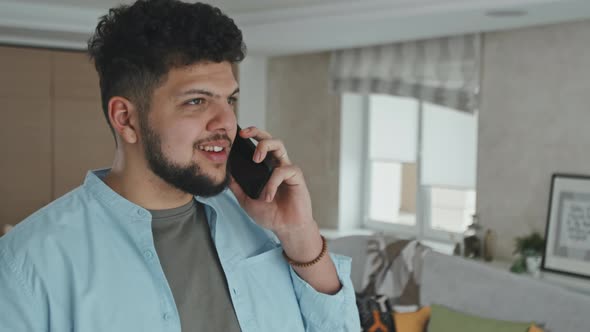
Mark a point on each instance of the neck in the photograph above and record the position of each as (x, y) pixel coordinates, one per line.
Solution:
(138, 184)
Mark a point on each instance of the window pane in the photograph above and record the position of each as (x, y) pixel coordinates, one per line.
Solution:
(386, 193)
(393, 123)
(451, 209)
(449, 147)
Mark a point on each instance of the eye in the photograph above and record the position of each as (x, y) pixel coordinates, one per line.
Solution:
(232, 100)
(196, 101)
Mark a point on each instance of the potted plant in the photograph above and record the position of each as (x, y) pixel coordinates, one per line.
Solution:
(530, 251)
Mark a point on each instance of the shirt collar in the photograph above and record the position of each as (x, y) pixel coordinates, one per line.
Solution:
(94, 183)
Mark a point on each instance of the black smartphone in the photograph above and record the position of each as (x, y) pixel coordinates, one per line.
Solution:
(251, 176)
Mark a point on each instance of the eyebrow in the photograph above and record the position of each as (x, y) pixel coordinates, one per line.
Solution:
(204, 92)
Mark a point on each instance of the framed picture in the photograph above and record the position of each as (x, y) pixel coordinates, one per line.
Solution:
(567, 235)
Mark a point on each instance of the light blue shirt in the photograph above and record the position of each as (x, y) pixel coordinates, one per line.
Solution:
(87, 262)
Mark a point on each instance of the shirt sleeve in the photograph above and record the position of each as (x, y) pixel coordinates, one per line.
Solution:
(19, 309)
(323, 312)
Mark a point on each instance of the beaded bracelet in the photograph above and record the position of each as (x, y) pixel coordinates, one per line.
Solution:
(308, 264)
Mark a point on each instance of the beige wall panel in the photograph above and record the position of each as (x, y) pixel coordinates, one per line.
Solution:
(74, 76)
(25, 165)
(306, 116)
(25, 73)
(83, 141)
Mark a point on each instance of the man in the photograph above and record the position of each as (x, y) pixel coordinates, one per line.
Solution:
(158, 242)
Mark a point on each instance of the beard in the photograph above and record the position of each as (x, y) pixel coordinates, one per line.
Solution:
(190, 178)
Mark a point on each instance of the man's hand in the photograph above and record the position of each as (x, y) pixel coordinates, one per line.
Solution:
(284, 205)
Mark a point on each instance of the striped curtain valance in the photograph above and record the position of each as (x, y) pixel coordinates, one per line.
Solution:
(443, 71)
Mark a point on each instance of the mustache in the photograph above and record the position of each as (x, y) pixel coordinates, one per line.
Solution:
(216, 137)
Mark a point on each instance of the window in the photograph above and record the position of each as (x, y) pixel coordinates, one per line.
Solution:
(388, 201)
(419, 165)
(451, 210)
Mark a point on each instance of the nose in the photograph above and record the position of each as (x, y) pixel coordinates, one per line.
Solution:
(224, 118)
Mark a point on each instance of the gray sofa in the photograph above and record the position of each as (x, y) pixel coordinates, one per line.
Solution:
(479, 289)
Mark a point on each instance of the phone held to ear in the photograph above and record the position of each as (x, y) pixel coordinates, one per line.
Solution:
(251, 176)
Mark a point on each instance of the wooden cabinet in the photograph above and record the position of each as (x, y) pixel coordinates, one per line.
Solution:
(81, 136)
(52, 129)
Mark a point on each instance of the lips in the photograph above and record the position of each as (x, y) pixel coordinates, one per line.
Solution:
(216, 151)
(217, 157)
(211, 148)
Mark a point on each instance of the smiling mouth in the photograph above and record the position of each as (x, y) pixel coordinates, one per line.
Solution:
(211, 148)
(215, 153)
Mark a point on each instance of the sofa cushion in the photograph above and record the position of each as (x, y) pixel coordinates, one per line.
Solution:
(478, 289)
(354, 246)
(443, 319)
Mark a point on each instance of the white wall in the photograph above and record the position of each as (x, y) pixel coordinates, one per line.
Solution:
(352, 146)
(252, 107)
(534, 121)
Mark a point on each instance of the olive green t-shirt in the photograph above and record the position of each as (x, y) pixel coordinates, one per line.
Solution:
(191, 266)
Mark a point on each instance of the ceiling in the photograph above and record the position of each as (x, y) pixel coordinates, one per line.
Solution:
(278, 27)
(228, 5)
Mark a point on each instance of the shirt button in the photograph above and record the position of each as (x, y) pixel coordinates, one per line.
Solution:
(148, 254)
(235, 290)
(141, 213)
(167, 316)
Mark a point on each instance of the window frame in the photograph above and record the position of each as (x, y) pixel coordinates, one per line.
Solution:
(422, 230)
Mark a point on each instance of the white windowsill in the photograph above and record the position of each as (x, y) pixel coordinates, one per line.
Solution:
(438, 246)
(331, 234)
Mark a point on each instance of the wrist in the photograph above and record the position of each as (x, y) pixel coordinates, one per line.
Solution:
(313, 262)
(303, 244)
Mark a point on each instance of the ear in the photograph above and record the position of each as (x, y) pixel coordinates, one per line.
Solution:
(123, 117)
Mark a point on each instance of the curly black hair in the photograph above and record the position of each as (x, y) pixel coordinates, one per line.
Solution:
(135, 46)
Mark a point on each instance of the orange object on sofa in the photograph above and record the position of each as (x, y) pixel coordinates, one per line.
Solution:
(412, 321)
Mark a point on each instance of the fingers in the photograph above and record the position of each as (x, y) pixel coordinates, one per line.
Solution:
(238, 191)
(290, 175)
(266, 144)
(256, 133)
(277, 150)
